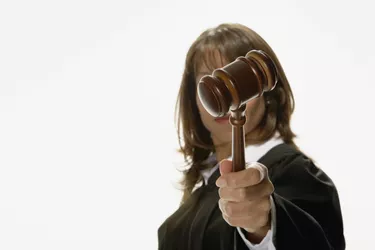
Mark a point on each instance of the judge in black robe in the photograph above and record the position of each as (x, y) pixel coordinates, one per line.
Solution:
(308, 214)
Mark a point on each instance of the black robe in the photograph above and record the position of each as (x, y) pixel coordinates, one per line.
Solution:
(308, 213)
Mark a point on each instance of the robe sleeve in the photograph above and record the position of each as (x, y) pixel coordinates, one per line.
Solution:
(308, 213)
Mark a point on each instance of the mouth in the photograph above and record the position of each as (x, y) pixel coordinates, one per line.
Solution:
(222, 120)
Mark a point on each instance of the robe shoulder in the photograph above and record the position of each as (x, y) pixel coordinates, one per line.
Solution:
(308, 212)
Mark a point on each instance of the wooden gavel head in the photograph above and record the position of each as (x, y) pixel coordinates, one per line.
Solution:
(235, 84)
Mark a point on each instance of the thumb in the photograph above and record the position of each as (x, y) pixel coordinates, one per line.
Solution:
(226, 167)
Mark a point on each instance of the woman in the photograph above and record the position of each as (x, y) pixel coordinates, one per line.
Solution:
(281, 200)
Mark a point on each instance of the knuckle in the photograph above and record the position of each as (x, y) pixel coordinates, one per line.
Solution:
(228, 219)
(221, 192)
(271, 188)
(234, 182)
(263, 205)
(231, 221)
(242, 193)
(266, 206)
(221, 205)
(229, 209)
(253, 174)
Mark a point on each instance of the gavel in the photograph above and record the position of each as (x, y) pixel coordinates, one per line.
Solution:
(229, 88)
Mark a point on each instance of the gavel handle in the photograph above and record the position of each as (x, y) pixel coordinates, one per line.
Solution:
(238, 119)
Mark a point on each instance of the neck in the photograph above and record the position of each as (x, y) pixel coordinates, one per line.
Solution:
(224, 149)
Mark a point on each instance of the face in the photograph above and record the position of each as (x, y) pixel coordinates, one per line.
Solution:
(221, 129)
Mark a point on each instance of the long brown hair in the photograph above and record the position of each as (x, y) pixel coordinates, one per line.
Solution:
(231, 41)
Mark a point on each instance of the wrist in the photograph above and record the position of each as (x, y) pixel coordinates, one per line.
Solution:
(258, 235)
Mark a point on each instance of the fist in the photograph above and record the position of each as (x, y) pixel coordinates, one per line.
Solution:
(245, 197)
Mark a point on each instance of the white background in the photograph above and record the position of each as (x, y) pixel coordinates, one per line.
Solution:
(87, 94)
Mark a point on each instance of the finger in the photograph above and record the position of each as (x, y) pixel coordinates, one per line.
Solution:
(252, 175)
(263, 171)
(263, 189)
(244, 209)
(225, 167)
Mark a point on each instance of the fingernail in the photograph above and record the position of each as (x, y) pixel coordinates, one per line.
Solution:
(221, 182)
